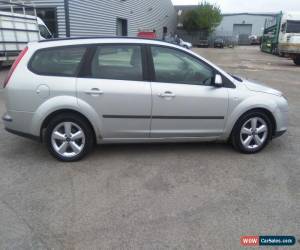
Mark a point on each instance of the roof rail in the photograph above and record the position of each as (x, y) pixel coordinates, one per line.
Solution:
(94, 37)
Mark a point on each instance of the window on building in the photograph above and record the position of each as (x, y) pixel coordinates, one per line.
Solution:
(122, 27)
(48, 15)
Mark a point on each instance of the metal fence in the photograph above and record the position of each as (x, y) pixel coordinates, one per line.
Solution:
(196, 36)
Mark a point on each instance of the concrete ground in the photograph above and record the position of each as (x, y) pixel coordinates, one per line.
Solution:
(171, 196)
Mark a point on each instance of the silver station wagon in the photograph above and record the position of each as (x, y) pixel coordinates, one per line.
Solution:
(73, 93)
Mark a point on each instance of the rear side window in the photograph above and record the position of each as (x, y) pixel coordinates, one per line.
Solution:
(118, 62)
(62, 61)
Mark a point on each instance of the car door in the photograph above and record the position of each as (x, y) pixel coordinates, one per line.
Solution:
(185, 102)
(113, 83)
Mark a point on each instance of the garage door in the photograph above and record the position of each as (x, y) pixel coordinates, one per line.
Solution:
(242, 31)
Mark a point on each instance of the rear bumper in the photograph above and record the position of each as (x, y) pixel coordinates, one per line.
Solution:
(25, 135)
(19, 123)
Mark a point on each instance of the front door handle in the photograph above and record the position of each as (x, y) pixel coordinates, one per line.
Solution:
(94, 92)
(167, 94)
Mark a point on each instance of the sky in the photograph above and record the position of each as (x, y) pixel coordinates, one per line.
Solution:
(229, 6)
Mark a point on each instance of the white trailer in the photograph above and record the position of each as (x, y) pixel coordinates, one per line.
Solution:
(16, 30)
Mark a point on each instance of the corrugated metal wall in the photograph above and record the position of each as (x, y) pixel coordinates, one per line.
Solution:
(99, 17)
(228, 22)
(60, 13)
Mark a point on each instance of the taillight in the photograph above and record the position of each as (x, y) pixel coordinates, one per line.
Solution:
(14, 66)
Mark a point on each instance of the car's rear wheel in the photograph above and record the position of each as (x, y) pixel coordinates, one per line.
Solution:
(252, 132)
(69, 137)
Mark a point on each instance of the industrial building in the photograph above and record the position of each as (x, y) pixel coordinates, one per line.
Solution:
(242, 25)
(106, 17)
(238, 26)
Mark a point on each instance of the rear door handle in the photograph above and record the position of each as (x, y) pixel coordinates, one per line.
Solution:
(167, 94)
(94, 92)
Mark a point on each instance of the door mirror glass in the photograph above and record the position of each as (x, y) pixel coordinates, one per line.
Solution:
(218, 80)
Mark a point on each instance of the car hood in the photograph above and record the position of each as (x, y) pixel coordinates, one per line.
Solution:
(258, 87)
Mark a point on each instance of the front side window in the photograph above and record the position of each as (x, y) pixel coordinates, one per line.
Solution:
(174, 66)
(118, 62)
(44, 32)
(293, 27)
(62, 61)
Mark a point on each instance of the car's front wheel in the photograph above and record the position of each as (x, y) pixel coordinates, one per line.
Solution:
(252, 132)
(69, 137)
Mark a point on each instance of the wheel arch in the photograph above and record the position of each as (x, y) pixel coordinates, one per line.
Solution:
(50, 116)
(261, 110)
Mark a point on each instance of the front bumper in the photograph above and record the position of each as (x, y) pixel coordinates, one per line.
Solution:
(279, 133)
(289, 48)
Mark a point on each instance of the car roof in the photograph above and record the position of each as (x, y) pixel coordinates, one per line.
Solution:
(97, 40)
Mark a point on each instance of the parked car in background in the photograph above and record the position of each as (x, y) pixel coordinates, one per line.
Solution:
(255, 40)
(73, 93)
(203, 43)
(219, 43)
(184, 44)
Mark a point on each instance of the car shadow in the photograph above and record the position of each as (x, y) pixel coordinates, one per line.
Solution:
(136, 148)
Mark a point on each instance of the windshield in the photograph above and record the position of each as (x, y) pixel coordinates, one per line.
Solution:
(293, 27)
(44, 32)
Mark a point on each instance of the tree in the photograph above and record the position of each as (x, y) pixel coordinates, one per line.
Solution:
(206, 18)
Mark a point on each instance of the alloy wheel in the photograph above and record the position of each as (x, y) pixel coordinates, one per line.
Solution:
(254, 133)
(68, 139)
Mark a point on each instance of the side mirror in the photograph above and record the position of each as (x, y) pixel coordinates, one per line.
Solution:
(218, 81)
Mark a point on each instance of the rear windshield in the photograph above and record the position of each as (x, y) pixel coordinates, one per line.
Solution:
(293, 27)
(62, 61)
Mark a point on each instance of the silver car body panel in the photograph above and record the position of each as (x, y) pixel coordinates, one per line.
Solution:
(124, 111)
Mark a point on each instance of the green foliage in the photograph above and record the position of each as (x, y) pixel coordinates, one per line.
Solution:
(206, 17)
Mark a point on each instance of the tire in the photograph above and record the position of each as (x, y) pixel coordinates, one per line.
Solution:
(297, 61)
(245, 140)
(275, 50)
(75, 144)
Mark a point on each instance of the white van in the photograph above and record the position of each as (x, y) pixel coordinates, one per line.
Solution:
(16, 30)
(289, 36)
